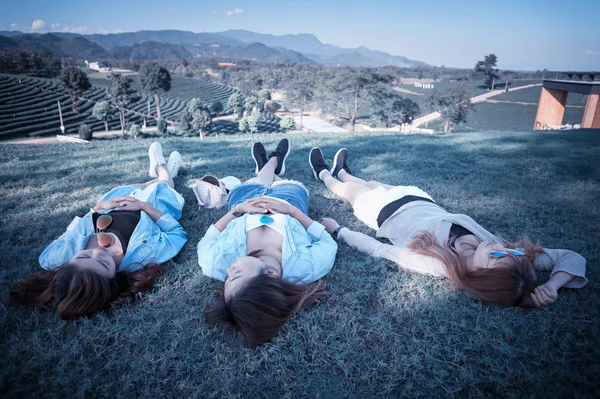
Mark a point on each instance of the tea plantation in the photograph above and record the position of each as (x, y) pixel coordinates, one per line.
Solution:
(29, 106)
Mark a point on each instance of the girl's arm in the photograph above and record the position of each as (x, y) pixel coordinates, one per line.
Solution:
(237, 211)
(567, 270)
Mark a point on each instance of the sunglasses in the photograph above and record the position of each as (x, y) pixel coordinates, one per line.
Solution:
(494, 253)
(104, 240)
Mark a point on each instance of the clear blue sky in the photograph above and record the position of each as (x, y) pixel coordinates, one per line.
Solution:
(524, 34)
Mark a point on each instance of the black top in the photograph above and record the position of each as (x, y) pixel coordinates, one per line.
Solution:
(457, 231)
(122, 225)
(393, 206)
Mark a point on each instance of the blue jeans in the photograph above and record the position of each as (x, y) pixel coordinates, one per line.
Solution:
(288, 190)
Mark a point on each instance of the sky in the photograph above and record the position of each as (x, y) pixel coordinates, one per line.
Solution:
(524, 34)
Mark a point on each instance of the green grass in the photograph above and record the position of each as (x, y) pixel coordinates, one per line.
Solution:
(381, 333)
(506, 116)
(532, 95)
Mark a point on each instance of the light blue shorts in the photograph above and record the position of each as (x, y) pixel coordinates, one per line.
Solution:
(291, 191)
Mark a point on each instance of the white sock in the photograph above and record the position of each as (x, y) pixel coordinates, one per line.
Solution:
(321, 173)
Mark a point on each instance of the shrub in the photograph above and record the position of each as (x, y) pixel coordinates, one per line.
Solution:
(184, 123)
(85, 132)
(134, 130)
(162, 126)
(287, 123)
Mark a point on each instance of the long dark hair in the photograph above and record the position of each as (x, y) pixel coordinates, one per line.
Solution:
(262, 306)
(72, 292)
(508, 284)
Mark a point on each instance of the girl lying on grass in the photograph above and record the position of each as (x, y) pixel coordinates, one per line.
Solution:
(267, 250)
(428, 239)
(112, 252)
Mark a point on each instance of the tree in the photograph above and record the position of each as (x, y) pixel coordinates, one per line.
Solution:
(249, 124)
(193, 105)
(253, 122)
(243, 125)
(236, 101)
(161, 126)
(486, 69)
(154, 78)
(75, 82)
(454, 105)
(121, 95)
(287, 123)
(300, 91)
(201, 120)
(250, 103)
(184, 122)
(101, 112)
(351, 88)
(216, 108)
(263, 96)
(401, 111)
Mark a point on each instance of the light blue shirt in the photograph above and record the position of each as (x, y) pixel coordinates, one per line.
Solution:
(150, 242)
(307, 254)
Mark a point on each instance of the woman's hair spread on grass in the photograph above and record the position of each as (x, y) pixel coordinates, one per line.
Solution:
(262, 306)
(508, 284)
(72, 292)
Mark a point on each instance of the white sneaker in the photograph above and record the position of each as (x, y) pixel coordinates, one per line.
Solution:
(156, 158)
(174, 163)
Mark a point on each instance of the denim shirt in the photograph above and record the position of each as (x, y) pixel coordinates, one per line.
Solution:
(307, 254)
(150, 242)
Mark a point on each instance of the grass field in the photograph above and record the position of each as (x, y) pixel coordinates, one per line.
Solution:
(381, 332)
(532, 95)
(506, 116)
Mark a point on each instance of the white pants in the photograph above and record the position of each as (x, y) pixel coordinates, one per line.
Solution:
(368, 205)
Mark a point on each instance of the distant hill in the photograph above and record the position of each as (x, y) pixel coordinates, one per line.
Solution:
(148, 51)
(77, 46)
(231, 44)
(312, 47)
(161, 36)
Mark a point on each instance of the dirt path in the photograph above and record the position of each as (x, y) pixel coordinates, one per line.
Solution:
(477, 99)
(54, 140)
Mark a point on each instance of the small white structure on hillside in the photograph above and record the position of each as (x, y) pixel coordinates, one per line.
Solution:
(98, 67)
(423, 85)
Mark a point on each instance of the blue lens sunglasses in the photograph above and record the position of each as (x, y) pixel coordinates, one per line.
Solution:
(494, 253)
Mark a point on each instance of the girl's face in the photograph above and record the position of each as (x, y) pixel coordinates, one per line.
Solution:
(244, 269)
(481, 258)
(98, 260)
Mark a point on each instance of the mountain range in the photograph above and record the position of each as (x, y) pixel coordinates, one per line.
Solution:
(230, 44)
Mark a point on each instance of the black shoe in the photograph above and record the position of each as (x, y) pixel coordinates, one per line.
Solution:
(259, 154)
(340, 162)
(316, 161)
(281, 152)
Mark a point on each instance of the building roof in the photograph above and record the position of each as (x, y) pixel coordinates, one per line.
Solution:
(572, 86)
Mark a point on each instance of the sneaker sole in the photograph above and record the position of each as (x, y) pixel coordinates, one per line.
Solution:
(170, 165)
(282, 171)
(255, 161)
(152, 171)
(335, 158)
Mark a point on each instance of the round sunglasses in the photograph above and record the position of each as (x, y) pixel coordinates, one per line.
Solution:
(494, 253)
(104, 239)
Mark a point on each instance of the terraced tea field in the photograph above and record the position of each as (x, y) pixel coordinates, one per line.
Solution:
(29, 106)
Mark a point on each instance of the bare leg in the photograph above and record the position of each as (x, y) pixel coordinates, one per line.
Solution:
(348, 190)
(347, 177)
(164, 175)
(266, 176)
